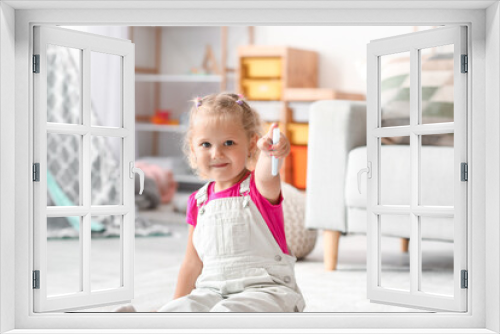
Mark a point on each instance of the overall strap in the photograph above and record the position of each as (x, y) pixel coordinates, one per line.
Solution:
(245, 190)
(245, 186)
(202, 195)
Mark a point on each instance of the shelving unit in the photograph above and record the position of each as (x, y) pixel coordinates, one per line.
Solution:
(159, 127)
(287, 75)
(151, 37)
(160, 79)
(177, 78)
(266, 72)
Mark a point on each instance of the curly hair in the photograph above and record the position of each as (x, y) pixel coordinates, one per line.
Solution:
(224, 105)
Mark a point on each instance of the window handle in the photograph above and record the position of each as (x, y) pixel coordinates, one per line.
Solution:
(368, 171)
(139, 171)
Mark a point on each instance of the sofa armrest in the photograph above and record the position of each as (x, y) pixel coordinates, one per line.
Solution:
(335, 128)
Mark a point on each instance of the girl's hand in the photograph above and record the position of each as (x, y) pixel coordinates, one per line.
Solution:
(269, 185)
(279, 150)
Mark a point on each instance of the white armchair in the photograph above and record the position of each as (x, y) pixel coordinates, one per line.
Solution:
(337, 151)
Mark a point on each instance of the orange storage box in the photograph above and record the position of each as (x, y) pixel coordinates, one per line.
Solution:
(299, 165)
(262, 89)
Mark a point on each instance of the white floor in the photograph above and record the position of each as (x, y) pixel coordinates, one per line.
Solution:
(157, 261)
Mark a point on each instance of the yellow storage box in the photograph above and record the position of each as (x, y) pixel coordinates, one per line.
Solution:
(262, 89)
(262, 67)
(299, 133)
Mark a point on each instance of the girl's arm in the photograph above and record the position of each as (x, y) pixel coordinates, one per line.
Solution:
(268, 185)
(190, 269)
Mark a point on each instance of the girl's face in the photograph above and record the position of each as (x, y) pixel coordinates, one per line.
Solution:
(221, 148)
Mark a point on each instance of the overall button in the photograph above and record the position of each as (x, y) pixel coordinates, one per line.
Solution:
(277, 257)
(287, 279)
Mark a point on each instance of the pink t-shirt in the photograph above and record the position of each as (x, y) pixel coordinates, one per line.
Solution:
(272, 214)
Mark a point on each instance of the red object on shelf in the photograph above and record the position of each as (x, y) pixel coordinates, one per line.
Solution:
(161, 116)
(299, 165)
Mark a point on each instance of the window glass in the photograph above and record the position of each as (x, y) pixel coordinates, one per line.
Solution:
(63, 169)
(63, 255)
(437, 255)
(395, 89)
(105, 258)
(64, 84)
(395, 171)
(395, 265)
(106, 156)
(437, 78)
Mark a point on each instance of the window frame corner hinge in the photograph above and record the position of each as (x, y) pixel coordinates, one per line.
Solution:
(36, 172)
(464, 279)
(36, 279)
(36, 63)
(464, 171)
(464, 64)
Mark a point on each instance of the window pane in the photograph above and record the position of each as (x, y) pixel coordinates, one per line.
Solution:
(395, 89)
(105, 265)
(395, 265)
(106, 89)
(106, 155)
(437, 84)
(64, 84)
(63, 169)
(395, 171)
(437, 255)
(437, 170)
(63, 255)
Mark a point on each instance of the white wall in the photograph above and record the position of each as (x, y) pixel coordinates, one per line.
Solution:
(492, 161)
(342, 50)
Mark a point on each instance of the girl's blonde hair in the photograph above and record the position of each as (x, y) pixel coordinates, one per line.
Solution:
(224, 105)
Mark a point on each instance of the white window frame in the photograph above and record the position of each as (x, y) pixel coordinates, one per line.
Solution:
(483, 213)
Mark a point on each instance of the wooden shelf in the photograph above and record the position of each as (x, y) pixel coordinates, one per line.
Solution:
(193, 179)
(316, 94)
(177, 78)
(159, 127)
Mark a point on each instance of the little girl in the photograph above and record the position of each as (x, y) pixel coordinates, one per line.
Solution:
(236, 259)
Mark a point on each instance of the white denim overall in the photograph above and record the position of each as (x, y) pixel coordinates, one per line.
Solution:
(244, 269)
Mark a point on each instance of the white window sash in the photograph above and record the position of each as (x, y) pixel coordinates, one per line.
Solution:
(413, 42)
(86, 298)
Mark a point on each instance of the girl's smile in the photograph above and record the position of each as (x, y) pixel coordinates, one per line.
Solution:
(220, 165)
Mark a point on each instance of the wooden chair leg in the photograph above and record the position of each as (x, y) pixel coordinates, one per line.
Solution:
(330, 249)
(404, 244)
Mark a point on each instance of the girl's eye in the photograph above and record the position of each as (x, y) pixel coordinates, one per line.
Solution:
(205, 144)
(229, 143)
